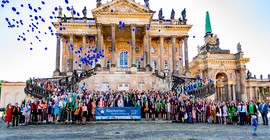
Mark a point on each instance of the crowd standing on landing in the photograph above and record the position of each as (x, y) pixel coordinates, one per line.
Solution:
(69, 106)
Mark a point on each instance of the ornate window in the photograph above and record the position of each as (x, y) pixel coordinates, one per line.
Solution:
(137, 49)
(165, 65)
(123, 59)
(109, 63)
(109, 49)
(154, 64)
(137, 63)
(165, 49)
(141, 86)
(153, 49)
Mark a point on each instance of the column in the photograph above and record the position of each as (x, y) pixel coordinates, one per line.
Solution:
(133, 43)
(173, 55)
(83, 49)
(229, 92)
(161, 52)
(186, 56)
(99, 43)
(144, 49)
(57, 63)
(148, 43)
(181, 56)
(98, 37)
(234, 94)
(113, 45)
(70, 53)
(255, 93)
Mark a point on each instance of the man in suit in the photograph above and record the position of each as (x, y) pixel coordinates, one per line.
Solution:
(264, 111)
(252, 110)
(127, 102)
(15, 114)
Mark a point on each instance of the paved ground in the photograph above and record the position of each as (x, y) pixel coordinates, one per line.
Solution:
(134, 131)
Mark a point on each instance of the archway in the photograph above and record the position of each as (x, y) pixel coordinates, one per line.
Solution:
(222, 87)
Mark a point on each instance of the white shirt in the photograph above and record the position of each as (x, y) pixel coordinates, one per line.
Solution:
(62, 104)
(54, 97)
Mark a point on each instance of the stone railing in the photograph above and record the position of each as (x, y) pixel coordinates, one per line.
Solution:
(36, 91)
(69, 82)
(203, 92)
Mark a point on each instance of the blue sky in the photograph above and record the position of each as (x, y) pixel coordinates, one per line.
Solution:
(244, 21)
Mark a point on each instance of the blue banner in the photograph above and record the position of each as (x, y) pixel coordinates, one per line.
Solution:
(117, 113)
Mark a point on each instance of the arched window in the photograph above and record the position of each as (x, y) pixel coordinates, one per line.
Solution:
(123, 59)
(109, 63)
(177, 66)
(154, 64)
(93, 65)
(137, 63)
(67, 65)
(165, 65)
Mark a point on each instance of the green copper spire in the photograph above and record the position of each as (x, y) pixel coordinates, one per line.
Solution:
(208, 29)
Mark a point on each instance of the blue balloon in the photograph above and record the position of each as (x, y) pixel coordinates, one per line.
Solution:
(154, 11)
(71, 45)
(59, 34)
(36, 18)
(60, 28)
(159, 30)
(86, 42)
(18, 39)
(66, 1)
(145, 52)
(74, 12)
(53, 12)
(45, 48)
(89, 25)
(39, 8)
(91, 39)
(168, 40)
(198, 77)
(17, 13)
(120, 22)
(30, 7)
(56, 8)
(21, 5)
(193, 36)
(111, 10)
(123, 24)
(43, 2)
(31, 49)
(72, 49)
(133, 29)
(128, 42)
(2, 5)
(180, 58)
(126, 52)
(147, 27)
(110, 38)
(163, 17)
(35, 10)
(64, 28)
(138, 29)
(78, 14)
(76, 62)
(14, 9)
(142, 59)
(95, 73)
(68, 8)
(147, 5)
(120, 27)
(60, 23)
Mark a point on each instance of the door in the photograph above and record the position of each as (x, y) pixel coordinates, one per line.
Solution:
(123, 59)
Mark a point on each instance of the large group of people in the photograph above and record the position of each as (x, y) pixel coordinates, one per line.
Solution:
(193, 85)
(74, 106)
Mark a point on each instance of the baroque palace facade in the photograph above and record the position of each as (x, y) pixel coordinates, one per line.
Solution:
(132, 43)
(139, 52)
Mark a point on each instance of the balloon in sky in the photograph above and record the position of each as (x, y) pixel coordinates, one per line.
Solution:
(66, 1)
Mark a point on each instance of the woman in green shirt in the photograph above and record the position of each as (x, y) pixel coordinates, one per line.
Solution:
(235, 114)
(159, 107)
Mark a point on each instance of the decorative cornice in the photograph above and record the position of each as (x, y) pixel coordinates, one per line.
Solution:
(171, 26)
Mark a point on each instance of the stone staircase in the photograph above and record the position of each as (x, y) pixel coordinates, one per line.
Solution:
(69, 82)
(201, 92)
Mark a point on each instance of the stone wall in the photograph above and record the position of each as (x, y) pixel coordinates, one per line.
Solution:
(12, 93)
(133, 80)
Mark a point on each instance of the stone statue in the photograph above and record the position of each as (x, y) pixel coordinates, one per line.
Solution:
(255, 77)
(180, 21)
(199, 49)
(98, 3)
(65, 18)
(172, 14)
(84, 11)
(261, 76)
(160, 14)
(71, 10)
(60, 11)
(146, 2)
(184, 14)
(249, 75)
(268, 76)
(239, 48)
